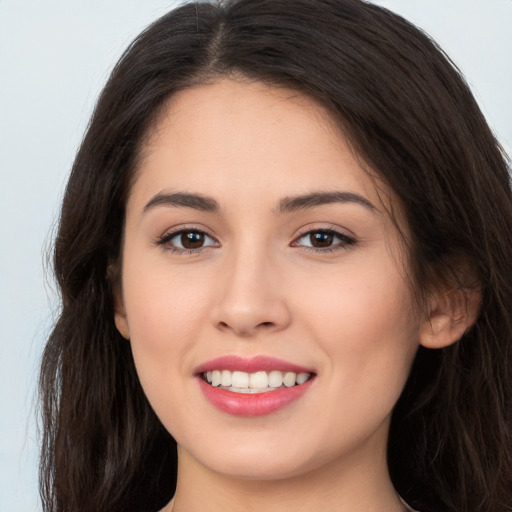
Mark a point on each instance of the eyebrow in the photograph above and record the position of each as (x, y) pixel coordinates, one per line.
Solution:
(292, 204)
(286, 205)
(183, 199)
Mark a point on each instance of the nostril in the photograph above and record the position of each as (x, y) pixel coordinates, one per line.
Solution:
(244, 330)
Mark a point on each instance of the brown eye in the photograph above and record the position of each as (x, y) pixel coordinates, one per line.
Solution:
(324, 240)
(321, 239)
(192, 239)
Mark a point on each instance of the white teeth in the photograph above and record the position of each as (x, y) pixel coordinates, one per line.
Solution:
(249, 391)
(289, 379)
(275, 379)
(240, 380)
(216, 378)
(225, 378)
(258, 382)
(302, 377)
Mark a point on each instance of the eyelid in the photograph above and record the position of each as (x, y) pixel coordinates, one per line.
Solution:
(165, 239)
(323, 226)
(345, 239)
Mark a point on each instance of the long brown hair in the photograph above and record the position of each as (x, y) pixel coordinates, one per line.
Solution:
(410, 116)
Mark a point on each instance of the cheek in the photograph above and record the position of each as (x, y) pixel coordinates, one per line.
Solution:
(163, 325)
(363, 296)
(161, 306)
(365, 323)
(163, 317)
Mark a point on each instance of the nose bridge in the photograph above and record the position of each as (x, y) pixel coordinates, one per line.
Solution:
(252, 296)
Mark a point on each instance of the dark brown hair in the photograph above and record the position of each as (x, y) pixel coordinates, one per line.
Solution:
(409, 115)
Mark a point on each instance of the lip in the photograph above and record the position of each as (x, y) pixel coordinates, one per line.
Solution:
(250, 365)
(257, 404)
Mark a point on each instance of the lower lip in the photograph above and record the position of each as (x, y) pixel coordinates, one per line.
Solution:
(257, 404)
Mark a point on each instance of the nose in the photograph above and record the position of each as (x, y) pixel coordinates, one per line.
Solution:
(252, 297)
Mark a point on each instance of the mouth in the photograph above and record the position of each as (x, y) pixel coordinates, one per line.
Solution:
(256, 382)
(253, 387)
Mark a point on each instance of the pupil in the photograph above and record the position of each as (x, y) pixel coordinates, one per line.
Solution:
(192, 240)
(321, 239)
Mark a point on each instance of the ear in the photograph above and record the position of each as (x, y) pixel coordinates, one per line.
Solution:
(451, 314)
(120, 317)
(121, 320)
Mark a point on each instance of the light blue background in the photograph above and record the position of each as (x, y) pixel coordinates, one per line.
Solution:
(54, 58)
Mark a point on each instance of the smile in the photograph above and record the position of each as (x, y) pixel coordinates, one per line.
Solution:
(252, 386)
(257, 382)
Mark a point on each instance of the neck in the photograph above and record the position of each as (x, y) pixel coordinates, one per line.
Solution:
(358, 483)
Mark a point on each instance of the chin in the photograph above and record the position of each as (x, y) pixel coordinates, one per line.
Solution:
(250, 460)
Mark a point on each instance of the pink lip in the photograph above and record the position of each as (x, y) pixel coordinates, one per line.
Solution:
(257, 404)
(250, 365)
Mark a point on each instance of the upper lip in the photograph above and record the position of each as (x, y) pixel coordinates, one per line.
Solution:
(250, 365)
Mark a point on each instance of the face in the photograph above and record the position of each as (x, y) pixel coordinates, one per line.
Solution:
(258, 255)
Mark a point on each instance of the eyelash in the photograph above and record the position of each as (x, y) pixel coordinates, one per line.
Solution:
(344, 241)
(165, 241)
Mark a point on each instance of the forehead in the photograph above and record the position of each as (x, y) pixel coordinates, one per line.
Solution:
(231, 133)
(231, 115)
(235, 98)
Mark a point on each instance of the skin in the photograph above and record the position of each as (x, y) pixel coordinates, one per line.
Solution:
(256, 288)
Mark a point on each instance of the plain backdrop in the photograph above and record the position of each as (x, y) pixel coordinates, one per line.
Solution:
(54, 58)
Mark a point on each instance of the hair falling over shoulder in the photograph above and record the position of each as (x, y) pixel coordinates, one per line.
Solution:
(409, 115)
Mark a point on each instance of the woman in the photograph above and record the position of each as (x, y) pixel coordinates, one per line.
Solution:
(285, 263)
